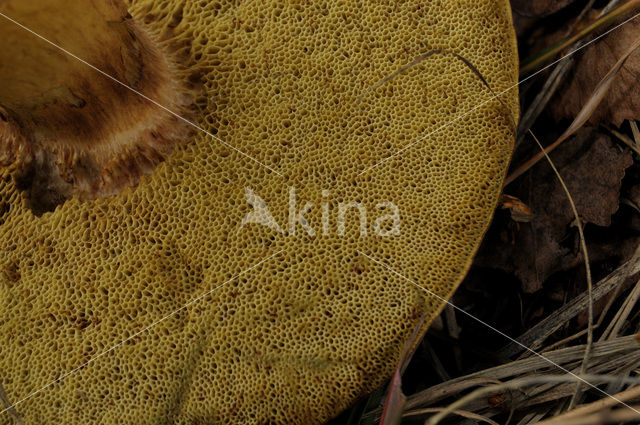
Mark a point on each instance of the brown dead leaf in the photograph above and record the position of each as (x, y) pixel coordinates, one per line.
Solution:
(528, 13)
(593, 167)
(584, 114)
(594, 62)
(538, 8)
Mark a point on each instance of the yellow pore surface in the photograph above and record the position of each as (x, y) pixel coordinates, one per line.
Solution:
(299, 337)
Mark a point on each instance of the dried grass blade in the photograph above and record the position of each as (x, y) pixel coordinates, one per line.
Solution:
(599, 405)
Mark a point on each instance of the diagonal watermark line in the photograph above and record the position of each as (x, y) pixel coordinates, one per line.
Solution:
(192, 124)
(495, 96)
(497, 331)
(105, 352)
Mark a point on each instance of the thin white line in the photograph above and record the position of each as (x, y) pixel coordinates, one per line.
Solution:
(141, 95)
(498, 331)
(138, 333)
(493, 97)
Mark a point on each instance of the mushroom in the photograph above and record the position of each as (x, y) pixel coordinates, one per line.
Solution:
(246, 226)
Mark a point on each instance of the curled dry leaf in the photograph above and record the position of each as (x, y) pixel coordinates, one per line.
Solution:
(596, 61)
(593, 167)
(520, 212)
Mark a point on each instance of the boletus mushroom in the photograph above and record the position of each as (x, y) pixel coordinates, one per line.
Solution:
(192, 194)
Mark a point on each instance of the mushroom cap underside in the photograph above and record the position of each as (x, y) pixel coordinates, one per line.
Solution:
(288, 327)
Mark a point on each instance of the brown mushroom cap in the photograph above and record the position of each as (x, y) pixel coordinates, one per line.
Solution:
(297, 337)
